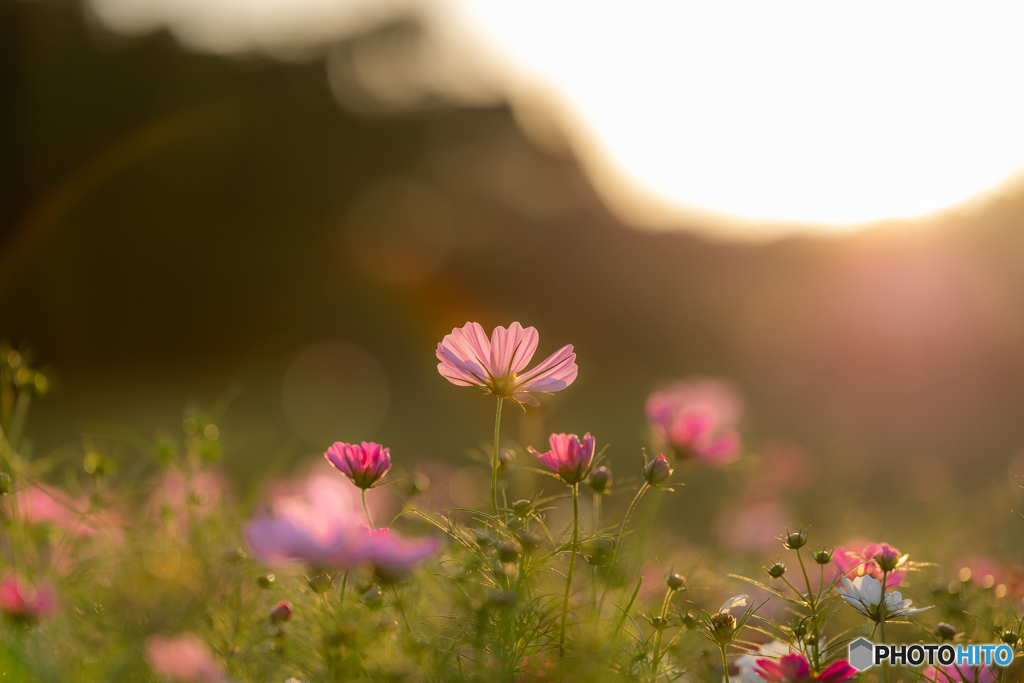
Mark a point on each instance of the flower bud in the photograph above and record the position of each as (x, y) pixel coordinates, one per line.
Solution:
(887, 557)
(691, 622)
(659, 623)
(598, 552)
(676, 582)
(600, 480)
(776, 570)
(522, 508)
(795, 540)
(266, 581)
(657, 471)
(823, 556)
(507, 551)
(1009, 637)
(5, 483)
(235, 555)
(945, 631)
(372, 598)
(482, 539)
(281, 612)
(529, 541)
(320, 583)
(723, 626)
(800, 630)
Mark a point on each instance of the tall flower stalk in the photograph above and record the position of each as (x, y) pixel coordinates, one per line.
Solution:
(494, 460)
(572, 565)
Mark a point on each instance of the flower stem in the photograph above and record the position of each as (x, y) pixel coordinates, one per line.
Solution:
(725, 663)
(494, 462)
(657, 637)
(572, 564)
(366, 509)
(881, 622)
(618, 542)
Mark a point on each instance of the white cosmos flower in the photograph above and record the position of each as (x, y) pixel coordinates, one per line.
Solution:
(738, 601)
(748, 663)
(865, 594)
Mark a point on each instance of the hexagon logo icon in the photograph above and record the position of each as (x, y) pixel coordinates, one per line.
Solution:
(861, 654)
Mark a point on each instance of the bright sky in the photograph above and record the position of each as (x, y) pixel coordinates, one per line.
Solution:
(830, 113)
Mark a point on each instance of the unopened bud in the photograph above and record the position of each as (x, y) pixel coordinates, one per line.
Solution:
(235, 555)
(691, 622)
(529, 541)
(823, 556)
(600, 480)
(657, 471)
(507, 551)
(320, 583)
(800, 630)
(522, 508)
(676, 581)
(887, 557)
(482, 539)
(945, 631)
(1009, 637)
(776, 570)
(281, 612)
(266, 581)
(372, 598)
(658, 622)
(795, 540)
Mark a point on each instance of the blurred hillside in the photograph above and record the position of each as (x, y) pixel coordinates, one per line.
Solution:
(179, 227)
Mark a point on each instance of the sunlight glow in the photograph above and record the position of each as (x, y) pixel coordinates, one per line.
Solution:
(829, 114)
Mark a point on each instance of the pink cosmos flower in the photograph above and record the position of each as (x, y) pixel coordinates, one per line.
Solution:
(866, 562)
(569, 456)
(794, 668)
(962, 672)
(182, 659)
(697, 419)
(497, 365)
(365, 464)
(21, 602)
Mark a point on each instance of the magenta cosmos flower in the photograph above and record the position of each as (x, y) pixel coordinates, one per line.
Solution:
(570, 457)
(794, 668)
(497, 365)
(869, 562)
(182, 659)
(365, 464)
(697, 419)
(961, 672)
(24, 603)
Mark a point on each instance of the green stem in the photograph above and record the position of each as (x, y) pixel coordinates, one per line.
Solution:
(657, 636)
(494, 462)
(366, 509)
(881, 622)
(725, 663)
(572, 565)
(807, 580)
(618, 543)
(18, 421)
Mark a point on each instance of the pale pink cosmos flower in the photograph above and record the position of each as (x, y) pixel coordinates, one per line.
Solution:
(365, 464)
(392, 556)
(22, 602)
(322, 529)
(182, 659)
(182, 496)
(853, 563)
(316, 526)
(570, 457)
(496, 365)
(961, 673)
(697, 419)
(794, 668)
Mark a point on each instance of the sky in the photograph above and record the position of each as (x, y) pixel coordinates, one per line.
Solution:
(753, 117)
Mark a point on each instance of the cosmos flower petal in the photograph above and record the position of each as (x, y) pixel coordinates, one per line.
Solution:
(736, 601)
